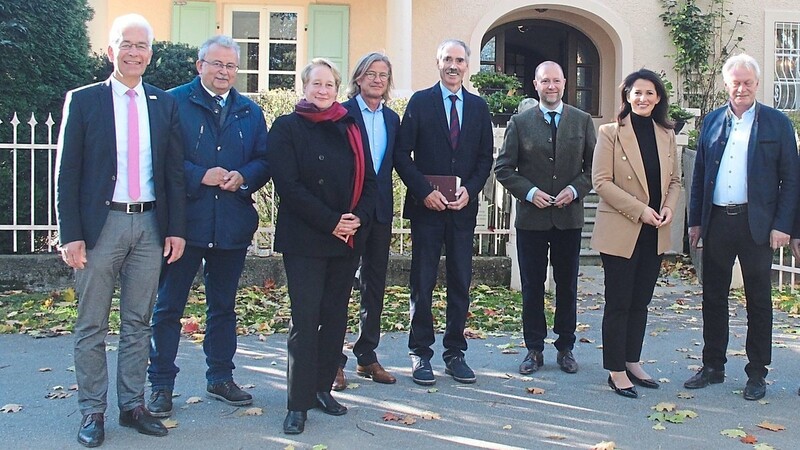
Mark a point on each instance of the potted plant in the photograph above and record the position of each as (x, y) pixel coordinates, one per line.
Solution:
(676, 112)
(502, 106)
(499, 91)
(488, 83)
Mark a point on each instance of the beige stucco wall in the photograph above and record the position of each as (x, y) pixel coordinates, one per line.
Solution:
(367, 19)
(628, 34)
(157, 12)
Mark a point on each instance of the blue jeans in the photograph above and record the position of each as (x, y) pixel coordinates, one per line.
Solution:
(221, 272)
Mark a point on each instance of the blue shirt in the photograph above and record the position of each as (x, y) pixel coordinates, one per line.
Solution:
(376, 131)
(447, 103)
(558, 111)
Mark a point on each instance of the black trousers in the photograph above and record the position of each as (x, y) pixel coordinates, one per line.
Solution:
(319, 290)
(726, 238)
(629, 284)
(565, 251)
(427, 238)
(372, 278)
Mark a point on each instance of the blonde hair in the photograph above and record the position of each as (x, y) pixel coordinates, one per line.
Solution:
(337, 77)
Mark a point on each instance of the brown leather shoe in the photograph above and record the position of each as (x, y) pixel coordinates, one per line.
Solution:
(340, 382)
(376, 372)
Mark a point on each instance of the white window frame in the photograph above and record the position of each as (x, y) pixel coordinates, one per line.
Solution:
(771, 18)
(264, 40)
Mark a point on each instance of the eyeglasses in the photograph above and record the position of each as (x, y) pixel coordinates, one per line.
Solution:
(219, 66)
(141, 46)
(370, 75)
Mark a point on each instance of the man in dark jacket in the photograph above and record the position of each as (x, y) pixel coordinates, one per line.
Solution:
(449, 132)
(368, 93)
(744, 198)
(225, 138)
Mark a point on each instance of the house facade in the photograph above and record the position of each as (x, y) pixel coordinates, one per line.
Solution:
(596, 41)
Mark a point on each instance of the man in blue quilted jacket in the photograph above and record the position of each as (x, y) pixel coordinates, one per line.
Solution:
(225, 138)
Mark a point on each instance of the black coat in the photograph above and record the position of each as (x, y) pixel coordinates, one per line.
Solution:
(312, 168)
(86, 166)
(425, 132)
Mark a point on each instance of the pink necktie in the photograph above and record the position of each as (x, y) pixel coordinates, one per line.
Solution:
(133, 146)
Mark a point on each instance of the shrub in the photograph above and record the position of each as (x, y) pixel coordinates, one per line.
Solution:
(485, 82)
(501, 103)
(45, 46)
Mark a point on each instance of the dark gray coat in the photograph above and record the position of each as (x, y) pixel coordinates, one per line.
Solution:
(526, 160)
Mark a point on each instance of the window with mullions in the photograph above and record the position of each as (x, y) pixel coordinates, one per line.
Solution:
(787, 66)
(269, 41)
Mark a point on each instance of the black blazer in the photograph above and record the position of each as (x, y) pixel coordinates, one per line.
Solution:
(86, 165)
(384, 204)
(425, 132)
(772, 172)
(312, 166)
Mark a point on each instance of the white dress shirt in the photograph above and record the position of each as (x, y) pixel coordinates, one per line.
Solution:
(121, 100)
(731, 185)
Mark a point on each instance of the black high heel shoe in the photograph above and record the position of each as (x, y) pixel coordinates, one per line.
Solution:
(646, 383)
(627, 392)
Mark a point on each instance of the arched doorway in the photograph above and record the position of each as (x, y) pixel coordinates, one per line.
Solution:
(517, 47)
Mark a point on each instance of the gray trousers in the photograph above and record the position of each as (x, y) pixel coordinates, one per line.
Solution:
(129, 246)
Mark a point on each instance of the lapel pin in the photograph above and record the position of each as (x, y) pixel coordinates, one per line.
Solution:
(152, 97)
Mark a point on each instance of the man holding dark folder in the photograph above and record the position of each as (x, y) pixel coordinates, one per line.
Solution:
(449, 132)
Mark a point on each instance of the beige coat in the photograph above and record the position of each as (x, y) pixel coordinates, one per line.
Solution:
(619, 179)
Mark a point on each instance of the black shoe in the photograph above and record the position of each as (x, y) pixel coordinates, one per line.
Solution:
(459, 370)
(92, 431)
(533, 361)
(755, 389)
(627, 392)
(704, 377)
(295, 422)
(160, 404)
(229, 393)
(140, 419)
(421, 371)
(329, 405)
(647, 383)
(566, 360)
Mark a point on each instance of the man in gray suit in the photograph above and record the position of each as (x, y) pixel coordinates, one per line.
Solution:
(545, 162)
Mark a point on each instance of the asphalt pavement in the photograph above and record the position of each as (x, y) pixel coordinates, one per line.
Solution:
(502, 410)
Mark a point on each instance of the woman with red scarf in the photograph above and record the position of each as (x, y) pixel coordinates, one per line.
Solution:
(323, 178)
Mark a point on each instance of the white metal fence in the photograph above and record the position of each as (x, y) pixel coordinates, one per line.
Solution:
(28, 221)
(27, 210)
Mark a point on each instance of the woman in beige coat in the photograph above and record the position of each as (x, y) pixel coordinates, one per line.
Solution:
(635, 173)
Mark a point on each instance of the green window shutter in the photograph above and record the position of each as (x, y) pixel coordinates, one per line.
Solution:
(194, 22)
(329, 35)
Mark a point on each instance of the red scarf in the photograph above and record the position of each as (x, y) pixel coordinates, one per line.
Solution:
(336, 112)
